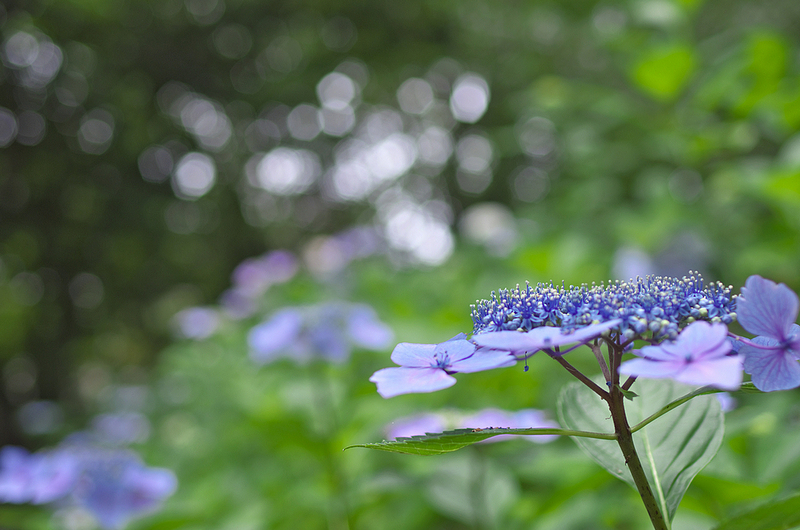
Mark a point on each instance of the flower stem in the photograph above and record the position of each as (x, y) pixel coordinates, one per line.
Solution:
(626, 445)
(577, 373)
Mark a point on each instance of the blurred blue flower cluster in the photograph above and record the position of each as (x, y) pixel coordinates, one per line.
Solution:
(327, 331)
(113, 485)
(253, 277)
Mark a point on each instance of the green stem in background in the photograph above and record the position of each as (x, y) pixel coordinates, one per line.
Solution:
(323, 402)
(478, 493)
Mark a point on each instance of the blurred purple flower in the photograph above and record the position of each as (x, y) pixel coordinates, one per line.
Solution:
(427, 367)
(726, 401)
(253, 277)
(360, 242)
(327, 331)
(540, 338)
(439, 422)
(237, 304)
(116, 486)
(521, 419)
(276, 336)
(121, 427)
(414, 425)
(770, 310)
(699, 356)
(366, 329)
(113, 485)
(35, 478)
(197, 322)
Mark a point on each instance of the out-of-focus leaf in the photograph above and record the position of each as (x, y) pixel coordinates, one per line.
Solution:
(663, 73)
(673, 449)
(778, 515)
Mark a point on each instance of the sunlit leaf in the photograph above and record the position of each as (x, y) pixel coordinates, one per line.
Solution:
(673, 449)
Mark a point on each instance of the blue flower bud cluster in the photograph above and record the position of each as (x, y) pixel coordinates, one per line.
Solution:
(653, 305)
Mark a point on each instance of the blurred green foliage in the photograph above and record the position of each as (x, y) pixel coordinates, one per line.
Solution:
(666, 127)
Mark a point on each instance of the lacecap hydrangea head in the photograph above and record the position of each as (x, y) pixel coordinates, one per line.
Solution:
(652, 306)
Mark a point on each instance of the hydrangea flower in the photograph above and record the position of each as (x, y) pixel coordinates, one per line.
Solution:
(111, 484)
(428, 367)
(652, 305)
(116, 487)
(540, 338)
(253, 277)
(326, 331)
(196, 323)
(35, 478)
(769, 311)
(699, 356)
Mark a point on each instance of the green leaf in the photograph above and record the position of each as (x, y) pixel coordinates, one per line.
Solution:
(664, 72)
(449, 441)
(672, 449)
(778, 515)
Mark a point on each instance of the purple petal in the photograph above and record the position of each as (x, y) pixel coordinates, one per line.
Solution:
(540, 338)
(414, 355)
(770, 369)
(484, 359)
(724, 373)
(700, 339)
(54, 475)
(658, 353)
(267, 339)
(766, 308)
(395, 381)
(16, 465)
(587, 333)
(794, 340)
(510, 341)
(456, 349)
(653, 369)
